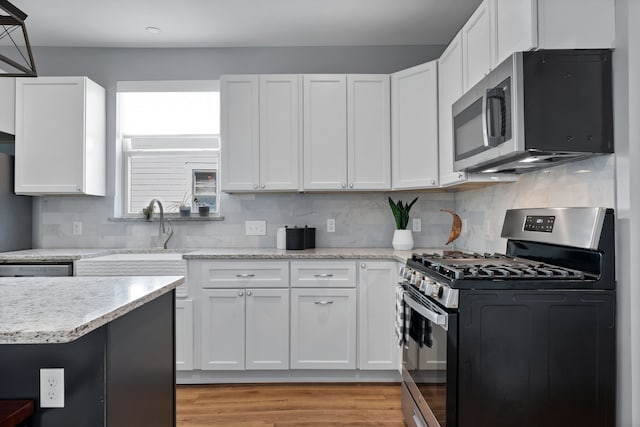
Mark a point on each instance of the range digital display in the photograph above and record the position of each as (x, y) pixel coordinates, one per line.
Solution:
(543, 224)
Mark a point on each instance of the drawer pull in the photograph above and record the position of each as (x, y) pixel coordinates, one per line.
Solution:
(323, 302)
(323, 275)
(245, 275)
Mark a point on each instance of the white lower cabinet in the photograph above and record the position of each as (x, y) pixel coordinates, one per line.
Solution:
(377, 347)
(323, 328)
(244, 329)
(267, 329)
(184, 334)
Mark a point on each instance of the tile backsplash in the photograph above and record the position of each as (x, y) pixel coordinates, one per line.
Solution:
(362, 220)
(586, 183)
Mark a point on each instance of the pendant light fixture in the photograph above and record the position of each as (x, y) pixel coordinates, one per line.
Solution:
(16, 59)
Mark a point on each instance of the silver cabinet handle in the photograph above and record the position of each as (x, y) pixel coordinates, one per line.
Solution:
(240, 293)
(363, 265)
(323, 275)
(344, 185)
(255, 186)
(248, 293)
(262, 186)
(350, 185)
(323, 302)
(245, 275)
(433, 182)
(418, 421)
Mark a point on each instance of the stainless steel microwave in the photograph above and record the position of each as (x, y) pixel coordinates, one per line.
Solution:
(536, 109)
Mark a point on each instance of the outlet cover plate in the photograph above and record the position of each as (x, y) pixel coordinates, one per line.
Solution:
(255, 228)
(417, 225)
(331, 225)
(52, 387)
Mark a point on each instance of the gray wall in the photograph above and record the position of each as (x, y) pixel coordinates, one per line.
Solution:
(362, 220)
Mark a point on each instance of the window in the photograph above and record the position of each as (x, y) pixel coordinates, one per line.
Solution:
(169, 133)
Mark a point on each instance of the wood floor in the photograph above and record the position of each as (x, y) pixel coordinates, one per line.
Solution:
(262, 405)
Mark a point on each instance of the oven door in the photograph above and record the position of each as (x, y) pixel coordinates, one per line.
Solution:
(430, 360)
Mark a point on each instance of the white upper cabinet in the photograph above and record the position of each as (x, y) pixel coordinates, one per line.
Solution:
(522, 25)
(260, 133)
(478, 45)
(325, 132)
(414, 127)
(346, 132)
(60, 136)
(279, 132)
(8, 105)
(369, 134)
(239, 131)
(449, 90)
(575, 24)
(516, 23)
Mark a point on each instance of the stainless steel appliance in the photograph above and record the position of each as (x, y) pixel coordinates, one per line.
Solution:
(526, 338)
(536, 109)
(15, 211)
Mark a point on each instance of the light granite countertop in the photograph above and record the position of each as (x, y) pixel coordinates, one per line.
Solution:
(69, 255)
(41, 310)
(319, 253)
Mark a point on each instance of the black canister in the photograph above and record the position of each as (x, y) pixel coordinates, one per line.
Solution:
(309, 237)
(295, 238)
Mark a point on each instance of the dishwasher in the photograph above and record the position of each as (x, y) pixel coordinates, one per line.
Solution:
(36, 269)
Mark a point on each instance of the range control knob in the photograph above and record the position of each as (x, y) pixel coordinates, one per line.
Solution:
(415, 278)
(407, 273)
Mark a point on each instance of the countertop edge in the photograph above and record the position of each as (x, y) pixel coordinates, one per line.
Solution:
(66, 336)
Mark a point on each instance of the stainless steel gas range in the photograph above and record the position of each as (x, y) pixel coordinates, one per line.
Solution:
(526, 338)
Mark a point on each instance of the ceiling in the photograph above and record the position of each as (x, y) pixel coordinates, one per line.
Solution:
(225, 23)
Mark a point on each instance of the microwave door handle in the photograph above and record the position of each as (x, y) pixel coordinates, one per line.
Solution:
(485, 126)
(499, 94)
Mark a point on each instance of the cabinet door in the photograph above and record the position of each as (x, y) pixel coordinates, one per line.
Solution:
(222, 329)
(516, 23)
(576, 24)
(369, 137)
(325, 132)
(377, 347)
(323, 328)
(184, 334)
(449, 90)
(239, 129)
(8, 105)
(279, 132)
(59, 136)
(478, 45)
(414, 127)
(267, 328)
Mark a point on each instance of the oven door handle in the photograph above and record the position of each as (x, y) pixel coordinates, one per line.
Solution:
(436, 318)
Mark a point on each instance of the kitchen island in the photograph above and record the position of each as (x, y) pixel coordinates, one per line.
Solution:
(114, 337)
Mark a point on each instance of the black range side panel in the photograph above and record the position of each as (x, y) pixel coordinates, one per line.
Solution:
(530, 359)
(568, 100)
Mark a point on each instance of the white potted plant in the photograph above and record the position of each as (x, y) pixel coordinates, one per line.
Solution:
(402, 238)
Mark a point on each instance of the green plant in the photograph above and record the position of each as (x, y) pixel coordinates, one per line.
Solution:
(147, 213)
(199, 202)
(401, 212)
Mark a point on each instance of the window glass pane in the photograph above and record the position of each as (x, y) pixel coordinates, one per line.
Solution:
(169, 113)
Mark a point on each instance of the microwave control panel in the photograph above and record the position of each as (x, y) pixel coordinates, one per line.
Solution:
(543, 224)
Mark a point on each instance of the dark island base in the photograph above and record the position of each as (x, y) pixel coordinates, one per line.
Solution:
(122, 374)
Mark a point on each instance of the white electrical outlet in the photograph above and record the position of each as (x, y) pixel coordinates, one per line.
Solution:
(331, 225)
(77, 228)
(417, 225)
(255, 228)
(52, 388)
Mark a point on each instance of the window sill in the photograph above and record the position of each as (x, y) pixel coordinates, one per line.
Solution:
(170, 217)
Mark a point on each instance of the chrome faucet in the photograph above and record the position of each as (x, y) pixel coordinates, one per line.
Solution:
(163, 226)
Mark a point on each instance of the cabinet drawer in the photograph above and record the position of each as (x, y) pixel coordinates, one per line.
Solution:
(243, 274)
(319, 274)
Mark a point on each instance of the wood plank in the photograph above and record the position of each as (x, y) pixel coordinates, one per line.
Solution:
(15, 412)
(284, 405)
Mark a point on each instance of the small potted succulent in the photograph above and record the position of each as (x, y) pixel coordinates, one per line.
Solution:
(402, 238)
(184, 206)
(203, 208)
